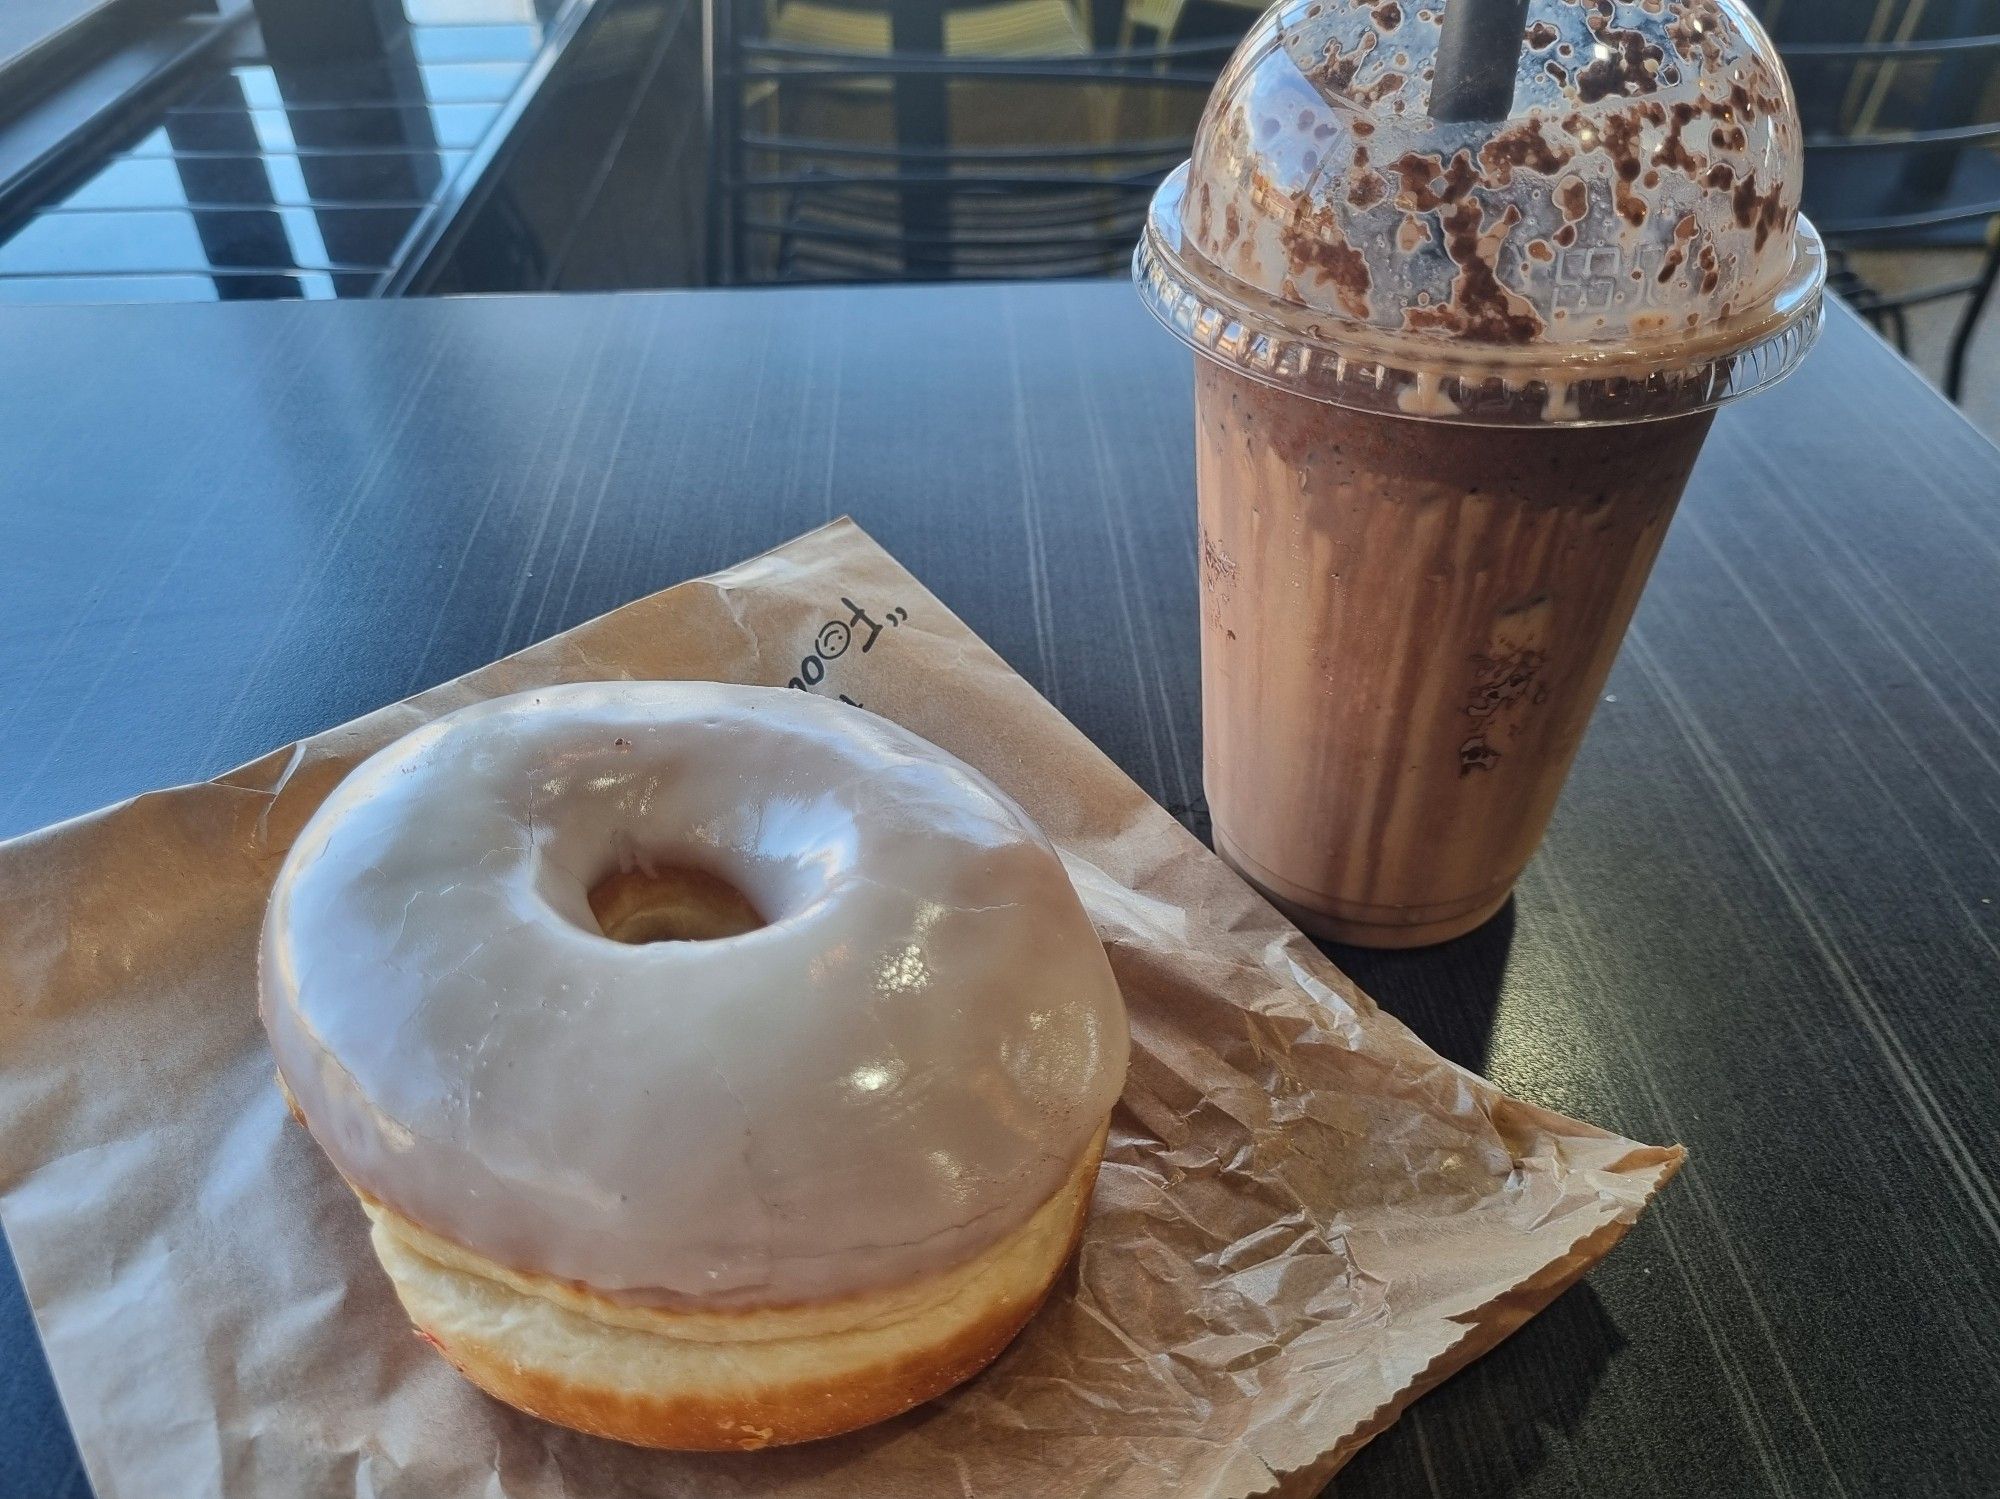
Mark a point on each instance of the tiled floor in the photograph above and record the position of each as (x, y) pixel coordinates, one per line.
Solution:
(1931, 328)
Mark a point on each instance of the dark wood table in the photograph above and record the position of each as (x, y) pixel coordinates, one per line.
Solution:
(1764, 924)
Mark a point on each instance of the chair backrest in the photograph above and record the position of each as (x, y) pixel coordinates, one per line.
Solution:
(1899, 100)
(1010, 147)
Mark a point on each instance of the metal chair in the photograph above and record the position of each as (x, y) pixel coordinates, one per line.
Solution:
(1900, 154)
(933, 139)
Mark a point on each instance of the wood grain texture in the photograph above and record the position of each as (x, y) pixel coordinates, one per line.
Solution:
(1764, 923)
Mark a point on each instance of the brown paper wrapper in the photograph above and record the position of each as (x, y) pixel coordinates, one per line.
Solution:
(1305, 1218)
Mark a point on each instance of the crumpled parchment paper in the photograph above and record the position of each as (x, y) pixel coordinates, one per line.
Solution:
(1305, 1219)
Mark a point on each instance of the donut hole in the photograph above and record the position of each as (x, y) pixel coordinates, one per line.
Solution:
(671, 904)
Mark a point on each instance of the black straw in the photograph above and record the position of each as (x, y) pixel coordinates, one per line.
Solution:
(1477, 58)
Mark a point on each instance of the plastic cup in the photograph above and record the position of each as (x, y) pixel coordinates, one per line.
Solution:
(1450, 382)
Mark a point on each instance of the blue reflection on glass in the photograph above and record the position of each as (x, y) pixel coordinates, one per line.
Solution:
(271, 180)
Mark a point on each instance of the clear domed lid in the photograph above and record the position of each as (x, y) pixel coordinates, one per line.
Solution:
(1625, 244)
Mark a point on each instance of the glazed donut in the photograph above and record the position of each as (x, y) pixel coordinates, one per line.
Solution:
(719, 1066)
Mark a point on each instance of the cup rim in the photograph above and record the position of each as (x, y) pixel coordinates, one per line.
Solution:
(1325, 357)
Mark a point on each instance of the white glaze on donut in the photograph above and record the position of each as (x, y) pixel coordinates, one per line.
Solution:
(889, 1077)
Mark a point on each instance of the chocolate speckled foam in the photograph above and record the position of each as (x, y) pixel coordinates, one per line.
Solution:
(1634, 217)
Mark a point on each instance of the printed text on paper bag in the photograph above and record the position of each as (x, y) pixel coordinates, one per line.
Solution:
(834, 638)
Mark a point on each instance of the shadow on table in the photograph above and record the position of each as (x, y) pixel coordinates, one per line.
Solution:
(37, 1455)
(1486, 1431)
(1448, 994)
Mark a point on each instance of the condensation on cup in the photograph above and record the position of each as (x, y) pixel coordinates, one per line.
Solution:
(1451, 379)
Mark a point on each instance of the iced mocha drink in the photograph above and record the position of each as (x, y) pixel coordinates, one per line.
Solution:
(1410, 644)
(1452, 380)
